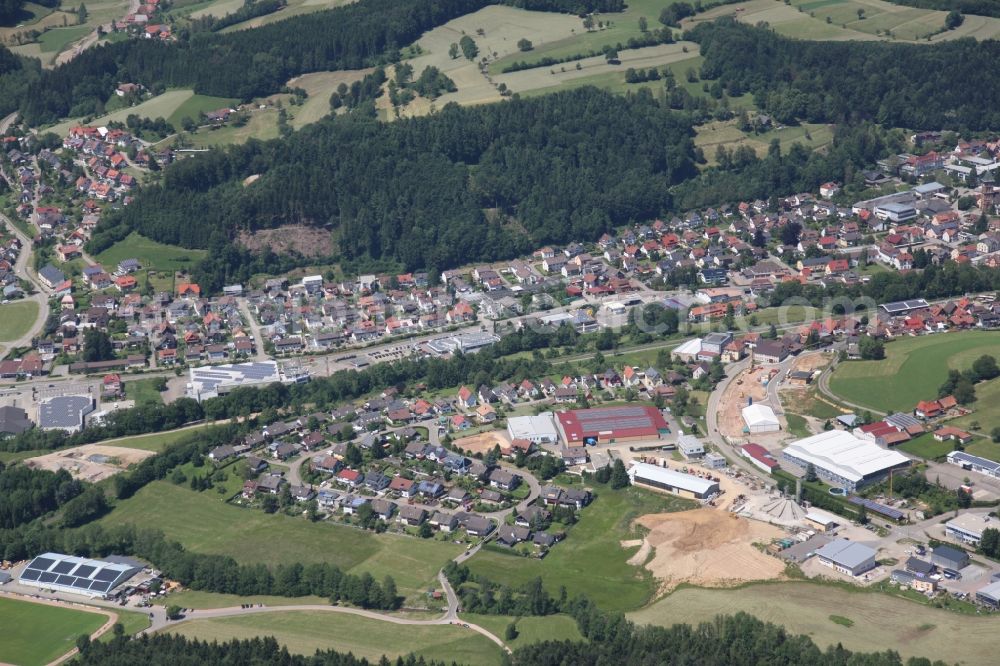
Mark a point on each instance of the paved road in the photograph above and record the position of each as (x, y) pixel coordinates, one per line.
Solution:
(254, 328)
(23, 269)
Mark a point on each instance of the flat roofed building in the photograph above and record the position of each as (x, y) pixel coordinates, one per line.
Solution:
(611, 424)
(975, 463)
(822, 521)
(847, 557)
(210, 381)
(65, 412)
(989, 595)
(968, 527)
(690, 447)
(540, 429)
(948, 557)
(843, 459)
(678, 483)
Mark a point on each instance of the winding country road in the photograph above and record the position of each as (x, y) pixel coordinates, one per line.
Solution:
(24, 271)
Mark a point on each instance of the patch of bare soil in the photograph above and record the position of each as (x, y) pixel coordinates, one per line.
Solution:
(709, 548)
(305, 240)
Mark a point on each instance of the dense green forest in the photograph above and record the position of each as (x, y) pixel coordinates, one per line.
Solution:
(26, 493)
(567, 165)
(933, 86)
(738, 640)
(980, 7)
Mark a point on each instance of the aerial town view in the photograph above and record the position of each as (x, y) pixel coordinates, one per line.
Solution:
(499, 332)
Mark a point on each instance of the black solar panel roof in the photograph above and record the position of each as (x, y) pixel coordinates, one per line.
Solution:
(66, 580)
(100, 586)
(41, 563)
(106, 574)
(85, 570)
(46, 577)
(30, 574)
(63, 567)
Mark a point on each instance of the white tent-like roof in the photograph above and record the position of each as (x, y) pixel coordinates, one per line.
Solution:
(757, 415)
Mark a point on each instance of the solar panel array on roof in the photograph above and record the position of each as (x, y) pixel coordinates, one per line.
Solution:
(76, 574)
(900, 307)
(887, 511)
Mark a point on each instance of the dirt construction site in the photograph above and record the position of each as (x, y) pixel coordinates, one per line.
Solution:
(747, 385)
(483, 442)
(90, 462)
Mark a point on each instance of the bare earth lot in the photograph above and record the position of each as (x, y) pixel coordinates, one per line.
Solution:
(77, 461)
(707, 547)
(481, 443)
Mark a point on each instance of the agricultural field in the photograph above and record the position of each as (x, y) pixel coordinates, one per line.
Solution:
(319, 85)
(152, 442)
(206, 524)
(131, 621)
(880, 620)
(195, 105)
(530, 629)
(841, 20)
(294, 8)
(986, 409)
(39, 633)
(201, 600)
(150, 254)
(16, 319)
(161, 106)
(618, 28)
(305, 632)
(591, 560)
(913, 370)
(62, 31)
(726, 133)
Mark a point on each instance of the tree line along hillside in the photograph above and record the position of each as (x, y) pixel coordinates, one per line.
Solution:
(938, 86)
(242, 64)
(549, 169)
(980, 7)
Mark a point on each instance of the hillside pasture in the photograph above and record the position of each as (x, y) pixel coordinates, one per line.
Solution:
(726, 133)
(204, 523)
(151, 254)
(912, 371)
(293, 8)
(161, 106)
(880, 620)
(319, 86)
(305, 632)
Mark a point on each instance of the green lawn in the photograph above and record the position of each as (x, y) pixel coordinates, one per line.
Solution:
(984, 448)
(198, 599)
(591, 560)
(530, 629)
(195, 105)
(150, 254)
(204, 523)
(132, 622)
(38, 633)
(927, 447)
(55, 40)
(154, 441)
(986, 408)
(880, 621)
(912, 371)
(143, 391)
(305, 632)
(797, 425)
(16, 319)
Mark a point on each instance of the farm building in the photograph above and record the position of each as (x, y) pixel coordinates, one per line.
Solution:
(540, 429)
(843, 459)
(759, 456)
(847, 557)
(975, 463)
(968, 527)
(760, 418)
(611, 424)
(678, 483)
(947, 557)
(76, 575)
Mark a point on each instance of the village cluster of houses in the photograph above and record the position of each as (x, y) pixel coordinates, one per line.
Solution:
(421, 483)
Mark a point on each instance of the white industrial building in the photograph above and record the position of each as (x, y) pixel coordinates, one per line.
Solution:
(968, 527)
(76, 575)
(678, 483)
(688, 351)
(690, 447)
(847, 557)
(540, 429)
(760, 418)
(64, 412)
(843, 459)
(210, 381)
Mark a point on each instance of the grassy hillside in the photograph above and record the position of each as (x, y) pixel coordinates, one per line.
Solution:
(38, 633)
